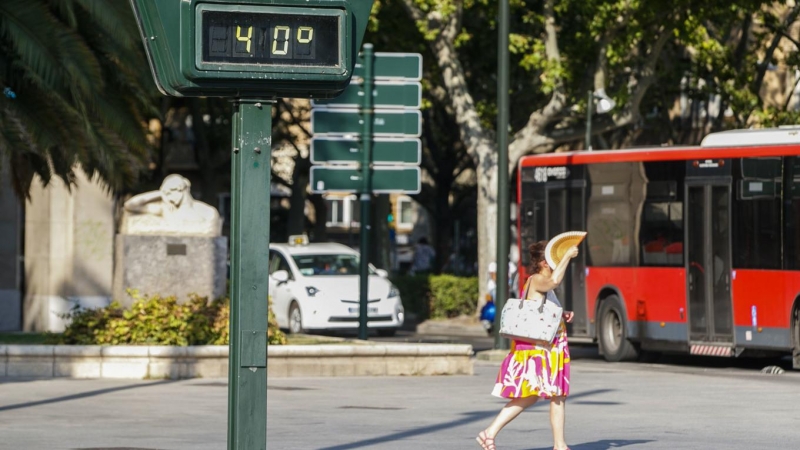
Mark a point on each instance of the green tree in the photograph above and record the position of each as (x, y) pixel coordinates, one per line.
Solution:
(77, 91)
(638, 51)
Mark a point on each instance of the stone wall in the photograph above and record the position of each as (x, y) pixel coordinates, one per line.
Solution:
(330, 360)
(68, 250)
(10, 253)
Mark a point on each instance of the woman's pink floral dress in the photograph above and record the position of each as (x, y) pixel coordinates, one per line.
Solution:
(534, 370)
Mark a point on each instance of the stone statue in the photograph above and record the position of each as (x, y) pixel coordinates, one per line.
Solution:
(171, 210)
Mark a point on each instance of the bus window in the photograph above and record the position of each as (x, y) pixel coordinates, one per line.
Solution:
(757, 214)
(616, 195)
(661, 234)
(661, 227)
(792, 215)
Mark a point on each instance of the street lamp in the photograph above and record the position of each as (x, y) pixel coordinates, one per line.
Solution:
(604, 105)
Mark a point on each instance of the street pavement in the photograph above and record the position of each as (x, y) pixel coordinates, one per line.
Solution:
(630, 406)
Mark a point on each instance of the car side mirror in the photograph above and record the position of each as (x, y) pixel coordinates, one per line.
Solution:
(382, 273)
(281, 276)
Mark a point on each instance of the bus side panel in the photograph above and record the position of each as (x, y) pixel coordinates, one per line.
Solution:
(762, 305)
(651, 296)
(661, 304)
(620, 279)
(663, 294)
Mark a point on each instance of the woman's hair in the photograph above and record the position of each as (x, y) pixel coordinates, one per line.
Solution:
(537, 256)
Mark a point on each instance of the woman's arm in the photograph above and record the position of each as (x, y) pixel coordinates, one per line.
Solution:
(544, 283)
(138, 203)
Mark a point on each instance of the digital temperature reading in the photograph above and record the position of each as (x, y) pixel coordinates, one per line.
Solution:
(271, 38)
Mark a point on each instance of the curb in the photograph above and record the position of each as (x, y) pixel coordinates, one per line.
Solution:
(140, 362)
(445, 328)
(491, 355)
(369, 360)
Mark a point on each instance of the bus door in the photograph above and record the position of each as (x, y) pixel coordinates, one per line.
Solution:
(566, 208)
(708, 260)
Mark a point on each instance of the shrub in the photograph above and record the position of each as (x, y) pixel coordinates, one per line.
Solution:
(415, 292)
(157, 321)
(452, 296)
(438, 296)
(274, 334)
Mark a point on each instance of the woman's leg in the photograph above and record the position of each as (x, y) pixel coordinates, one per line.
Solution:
(509, 413)
(557, 407)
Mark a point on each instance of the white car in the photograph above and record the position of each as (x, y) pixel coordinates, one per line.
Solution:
(316, 287)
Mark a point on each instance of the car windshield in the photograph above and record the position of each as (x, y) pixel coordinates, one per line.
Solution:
(310, 265)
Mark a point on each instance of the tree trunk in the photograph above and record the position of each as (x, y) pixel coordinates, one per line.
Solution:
(297, 202)
(487, 221)
(443, 231)
(479, 142)
(379, 240)
(204, 153)
(320, 232)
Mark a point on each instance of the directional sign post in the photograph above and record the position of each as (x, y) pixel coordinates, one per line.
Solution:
(385, 179)
(366, 140)
(387, 94)
(392, 66)
(337, 150)
(386, 122)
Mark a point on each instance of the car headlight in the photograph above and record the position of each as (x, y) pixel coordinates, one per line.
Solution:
(393, 291)
(312, 291)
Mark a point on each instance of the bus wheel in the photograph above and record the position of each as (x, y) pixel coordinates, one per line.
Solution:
(796, 336)
(613, 334)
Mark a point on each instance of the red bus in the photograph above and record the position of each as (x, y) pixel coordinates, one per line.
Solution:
(690, 249)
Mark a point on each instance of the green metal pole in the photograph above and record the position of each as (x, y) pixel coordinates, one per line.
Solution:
(589, 108)
(501, 294)
(366, 192)
(250, 192)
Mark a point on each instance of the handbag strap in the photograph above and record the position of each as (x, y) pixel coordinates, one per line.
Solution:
(527, 289)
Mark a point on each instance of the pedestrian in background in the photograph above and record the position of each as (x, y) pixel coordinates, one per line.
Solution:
(533, 371)
(424, 255)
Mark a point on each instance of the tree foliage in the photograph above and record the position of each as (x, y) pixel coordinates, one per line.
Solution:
(676, 69)
(77, 90)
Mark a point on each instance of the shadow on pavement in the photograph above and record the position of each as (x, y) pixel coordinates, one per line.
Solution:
(470, 417)
(86, 394)
(604, 444)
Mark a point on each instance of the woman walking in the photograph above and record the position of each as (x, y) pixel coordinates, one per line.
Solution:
(530, 372)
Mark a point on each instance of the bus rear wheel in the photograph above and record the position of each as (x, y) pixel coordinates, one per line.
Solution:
(796, 336)
(613, 333)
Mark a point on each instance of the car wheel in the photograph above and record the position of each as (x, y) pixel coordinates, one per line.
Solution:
(613, 334)
(295, 319)
(387, 332)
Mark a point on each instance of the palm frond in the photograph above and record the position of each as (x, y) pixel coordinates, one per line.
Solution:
(115, 18)
(29, 27)
(83, 92)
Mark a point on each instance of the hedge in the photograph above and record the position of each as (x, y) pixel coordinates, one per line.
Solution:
(157, 321)
(438, 296)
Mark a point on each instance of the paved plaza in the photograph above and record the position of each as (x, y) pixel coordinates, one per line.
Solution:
(630, 406)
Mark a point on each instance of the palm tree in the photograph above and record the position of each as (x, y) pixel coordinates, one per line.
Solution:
(76, 91)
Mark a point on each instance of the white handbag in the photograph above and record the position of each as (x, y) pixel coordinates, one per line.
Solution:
(530, 321)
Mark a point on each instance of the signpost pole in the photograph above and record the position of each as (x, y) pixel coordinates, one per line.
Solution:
(250, 200)
(501, 294)
(366, 191)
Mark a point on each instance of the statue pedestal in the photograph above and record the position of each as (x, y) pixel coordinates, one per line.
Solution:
(170, 265)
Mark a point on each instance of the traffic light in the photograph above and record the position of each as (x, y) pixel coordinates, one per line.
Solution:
(252, 48)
